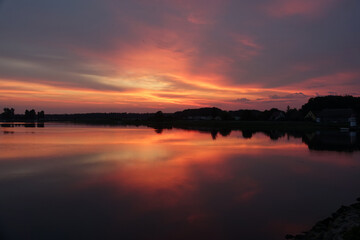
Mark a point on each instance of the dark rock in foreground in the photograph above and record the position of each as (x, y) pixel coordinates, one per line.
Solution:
(344, 224)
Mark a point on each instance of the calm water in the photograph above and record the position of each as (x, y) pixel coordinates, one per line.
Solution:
(81, 182)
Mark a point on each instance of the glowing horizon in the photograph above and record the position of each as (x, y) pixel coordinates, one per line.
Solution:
(144, 56)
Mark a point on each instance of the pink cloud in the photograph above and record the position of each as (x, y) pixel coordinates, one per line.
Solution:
(192, 18)
(246, 46)
(337, 83)
(337, 79)
(285, 8)
(247, 41)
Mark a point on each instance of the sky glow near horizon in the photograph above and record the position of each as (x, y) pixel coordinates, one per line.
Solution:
(144, 56)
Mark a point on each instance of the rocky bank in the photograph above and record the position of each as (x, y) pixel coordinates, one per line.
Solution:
(344, 224)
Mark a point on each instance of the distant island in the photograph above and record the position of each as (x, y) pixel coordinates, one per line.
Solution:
(326, 111)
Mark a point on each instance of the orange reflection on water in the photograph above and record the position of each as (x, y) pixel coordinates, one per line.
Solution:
(184, 178)
(78, 139)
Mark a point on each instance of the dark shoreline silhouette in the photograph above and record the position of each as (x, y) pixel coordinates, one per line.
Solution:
(317, 122)
(329, 111)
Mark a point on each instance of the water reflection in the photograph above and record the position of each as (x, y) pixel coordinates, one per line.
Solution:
(320, 140)
(25, 124)
(80, 182)
(334, 140)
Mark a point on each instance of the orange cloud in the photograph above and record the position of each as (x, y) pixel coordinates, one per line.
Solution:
(162, 94)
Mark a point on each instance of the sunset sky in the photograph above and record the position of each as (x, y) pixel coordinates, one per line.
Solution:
(147, 55)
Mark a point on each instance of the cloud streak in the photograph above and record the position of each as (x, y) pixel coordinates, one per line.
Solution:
(286, 8)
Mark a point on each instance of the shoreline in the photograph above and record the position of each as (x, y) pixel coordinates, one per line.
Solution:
(344, 224)
(197, 124)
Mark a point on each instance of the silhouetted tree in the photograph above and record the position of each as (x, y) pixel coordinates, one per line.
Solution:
(8, 113)
(41, 115)
(159, 116)
(247, 115)
(226, 116)
(211, 113)
(293, 114)
(30, 115)
(320, 103)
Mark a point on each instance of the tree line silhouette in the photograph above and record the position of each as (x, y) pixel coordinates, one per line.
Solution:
(208, 113)
(8, 114)
(291, 114)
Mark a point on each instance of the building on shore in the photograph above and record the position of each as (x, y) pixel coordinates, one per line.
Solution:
(334, 116)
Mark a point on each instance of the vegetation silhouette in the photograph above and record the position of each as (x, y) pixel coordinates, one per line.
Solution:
(30, 115)
(8, 114)
(212, 119)
(332, 102)
(41, 116)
